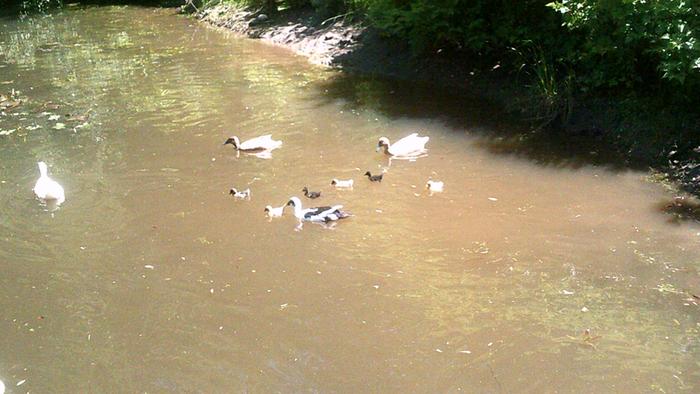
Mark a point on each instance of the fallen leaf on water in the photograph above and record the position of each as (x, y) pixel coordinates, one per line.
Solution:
(493, 199)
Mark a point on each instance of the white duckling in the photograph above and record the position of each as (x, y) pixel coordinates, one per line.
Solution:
(46, 188)
(317, 214)
(409, 146)
(435, 186)
(257, 144)
(343, 183)
(243, 194)
(274, 212)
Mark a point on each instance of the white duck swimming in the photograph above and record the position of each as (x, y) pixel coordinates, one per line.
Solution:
(317, 214)
(274, 212)
(46, 188)
(257, 144)
(435, 186)
(409, 146)
(342, 183)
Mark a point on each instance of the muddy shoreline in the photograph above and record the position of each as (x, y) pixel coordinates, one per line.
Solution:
(359, 49)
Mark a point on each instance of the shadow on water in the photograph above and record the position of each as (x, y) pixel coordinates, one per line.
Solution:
(681, 209)
(495, 130)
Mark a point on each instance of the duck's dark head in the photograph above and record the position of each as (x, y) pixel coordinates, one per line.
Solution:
(383, 143)
(291, 203)
(233, 141)
(333, 182)
(368, 173)
(232, 191)
(268, 208)
(305, 190)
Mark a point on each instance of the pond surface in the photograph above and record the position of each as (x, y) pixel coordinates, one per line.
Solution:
(535, 270)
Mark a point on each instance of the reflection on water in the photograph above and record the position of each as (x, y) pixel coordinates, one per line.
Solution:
(151, 277)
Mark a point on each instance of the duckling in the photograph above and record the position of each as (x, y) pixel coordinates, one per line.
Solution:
(274, 212)
(435, 186)
(309, 194)
(374, 178)
(243, 194)
(340, 183)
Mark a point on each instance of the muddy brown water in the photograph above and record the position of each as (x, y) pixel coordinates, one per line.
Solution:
(524, 275)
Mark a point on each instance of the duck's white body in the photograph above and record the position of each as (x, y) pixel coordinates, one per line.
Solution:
(435, 186)
(318, 214)
(274, 212)
(243, 194)
(343, 183)
(46, 188)
(257, 144)
(409, 146)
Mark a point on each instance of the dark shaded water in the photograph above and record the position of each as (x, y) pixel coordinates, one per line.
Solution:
(533, 273)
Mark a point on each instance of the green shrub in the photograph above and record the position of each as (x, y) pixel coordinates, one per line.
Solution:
(634, 42)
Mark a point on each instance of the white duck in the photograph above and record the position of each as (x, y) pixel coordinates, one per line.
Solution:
(343, 184)
(274, 212)
(257, 144)
(435, 186)
(317, 214)
(46, 188)
(243, 194)
(409, 146)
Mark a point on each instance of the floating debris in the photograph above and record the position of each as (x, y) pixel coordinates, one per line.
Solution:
(10, 102)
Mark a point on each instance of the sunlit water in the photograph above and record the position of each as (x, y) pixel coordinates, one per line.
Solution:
(530, 272)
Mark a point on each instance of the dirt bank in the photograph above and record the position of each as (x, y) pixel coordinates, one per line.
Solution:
(323, 43)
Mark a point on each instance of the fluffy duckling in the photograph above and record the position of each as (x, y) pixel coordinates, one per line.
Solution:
(374, 178)
(340, 183)
(46, 188)
(274, 212)
(435, 186)
(243, 194)
(309, 194)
